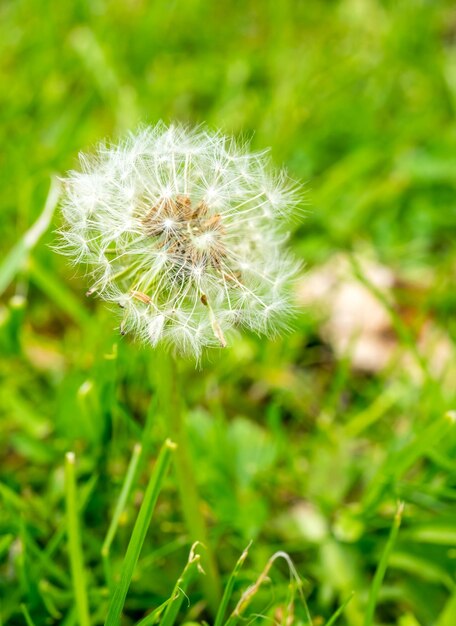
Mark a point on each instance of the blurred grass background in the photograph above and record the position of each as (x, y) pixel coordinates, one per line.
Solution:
(295, 448)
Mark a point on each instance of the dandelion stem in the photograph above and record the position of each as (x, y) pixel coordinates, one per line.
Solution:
(171, 406)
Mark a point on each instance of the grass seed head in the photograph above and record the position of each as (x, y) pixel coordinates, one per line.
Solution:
(184, 230)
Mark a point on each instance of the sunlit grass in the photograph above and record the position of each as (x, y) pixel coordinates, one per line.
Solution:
(293, 448)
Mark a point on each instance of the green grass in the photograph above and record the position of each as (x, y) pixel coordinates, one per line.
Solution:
(292, 447)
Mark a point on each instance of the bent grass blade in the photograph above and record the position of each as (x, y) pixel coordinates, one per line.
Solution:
(17, 256)
(250, 592)
(179, 592)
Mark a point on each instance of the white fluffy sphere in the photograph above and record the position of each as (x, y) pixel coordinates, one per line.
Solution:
(184, 230)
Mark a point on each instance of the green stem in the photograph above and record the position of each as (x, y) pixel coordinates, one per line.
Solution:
(120, 506)
(229, 588)
(74, 543)
(139, 534)
(382, 566)
(171, 406)
(27, 616)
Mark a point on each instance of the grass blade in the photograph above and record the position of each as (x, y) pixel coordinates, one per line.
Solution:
(193, 565)
(401, 328)
(17, 256)
(154, 615)
(247, 596)
(27, 616)
(139, 533)
(120, 506)
(448, 616)
(335, 616)
(57, 291)
(74, 542)
(385, 401)
(229, 587)
(381, 569)
(398, 462)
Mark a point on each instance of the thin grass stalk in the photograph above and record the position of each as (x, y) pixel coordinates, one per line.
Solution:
(139, 533)
(78, 574)
(27, 616)
(448, 615)
(180, 588)
(14, 260)
(251, 591)
(120, 506)
(398, 462)
(153, 616)
(381, 568)
(335, 616)
(229, 587)
(84, 494)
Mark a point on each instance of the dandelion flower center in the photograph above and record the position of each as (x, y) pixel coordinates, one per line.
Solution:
(186, 231)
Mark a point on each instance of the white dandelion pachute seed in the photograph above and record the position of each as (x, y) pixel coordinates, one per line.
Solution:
(185, 230)
(155, 329)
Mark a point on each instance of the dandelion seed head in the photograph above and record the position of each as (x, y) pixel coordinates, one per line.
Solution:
(184, 230)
